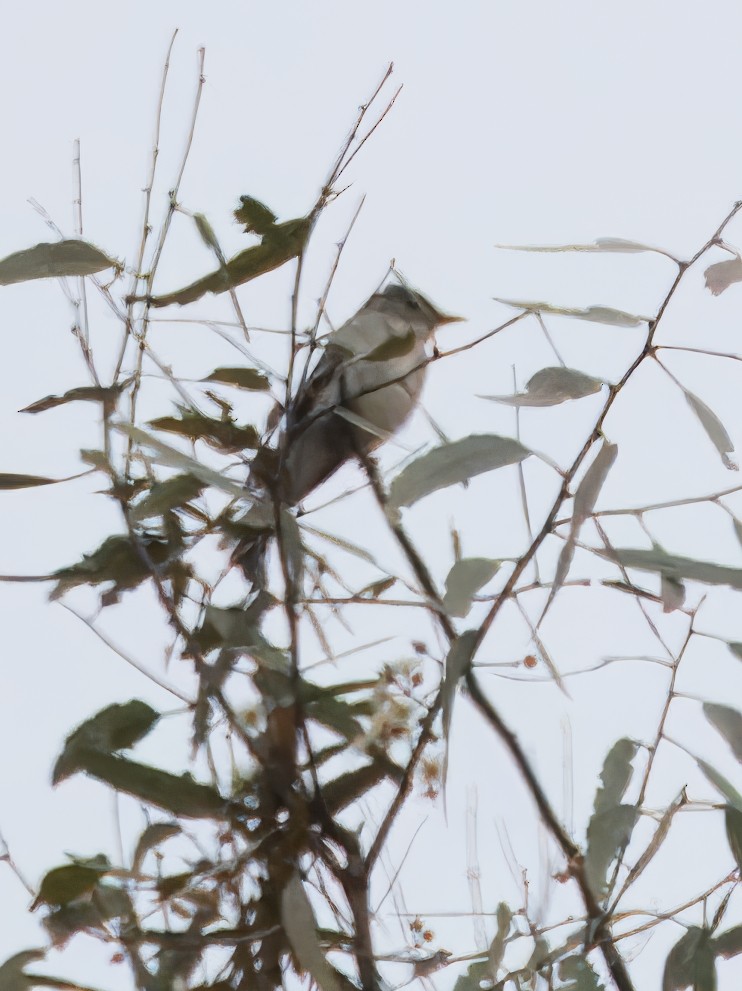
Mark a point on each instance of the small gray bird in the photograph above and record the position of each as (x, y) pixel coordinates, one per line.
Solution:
(374, 368)
(366, 384)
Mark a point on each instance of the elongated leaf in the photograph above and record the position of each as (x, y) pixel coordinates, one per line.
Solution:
(117, 727)
(691, 963)
(85, 393)
(346, 789)
(589, 488)
(170, 456)
(452, 463)
(616, 774)
(225, 435)
(679, 568)
(464, 580)
(497, 947)
(457, 663)
(721, 275)
(280, 244)
(241, 378)
(605, 244)
(733, 823)
(729, 724)
(719, 781)
(116, 560)
(611, 823)
(729, 943)
(657, 840)
(50, 261)
(167, 495)
(595, 314)
(714, 428)
(552, 386)
(300, 926)
(10, 481)
(12, 976)
(152, 836)
(292, 548)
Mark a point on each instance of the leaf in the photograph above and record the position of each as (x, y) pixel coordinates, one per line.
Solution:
(551, 386)
(691, 963)
(300, 926)
(10, 481)
(154, 834)
(579, 975)
(672, 593)
(720, 782)
(206, 231)
(55, 260)
(721, 275)
(116, 560)
(85, 393)
(736, 648)
(170, 456)
(393, 347)
(292, 548)
(714, 428)
(611, 823)
(225, 435)
(347, 788)
(280, 244)
(733, 824)
(166, 496)
(12, 977)
(256, 216)
(596, 314)
(607, 244)
(117, 727)
(657, 840)
(464, 580)
(729, 724)
(729, 943)
(235, 629)
(679, 568)
(62, 885)
(457, 664)
(452, 463)
(497, 947)
(241, 378)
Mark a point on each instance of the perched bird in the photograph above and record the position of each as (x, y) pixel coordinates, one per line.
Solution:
(366, 384)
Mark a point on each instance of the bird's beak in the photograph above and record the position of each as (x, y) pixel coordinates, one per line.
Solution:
(442, 318)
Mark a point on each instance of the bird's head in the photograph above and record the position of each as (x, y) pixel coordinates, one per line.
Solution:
(403, 301)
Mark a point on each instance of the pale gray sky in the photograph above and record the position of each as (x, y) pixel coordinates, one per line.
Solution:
(519, 121)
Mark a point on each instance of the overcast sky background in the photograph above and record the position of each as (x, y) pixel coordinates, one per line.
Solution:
(519, 122)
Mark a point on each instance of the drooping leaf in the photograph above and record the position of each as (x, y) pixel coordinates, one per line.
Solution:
(691, 963)
(464, 580)
(116, 560)
(107, 395)
(10, 481)
(452, 463)
(595, 314)
(733, 824)
(173, 458)
(240, 377)
(457, 663)
(255, 216)
(578, 975)
(729, 724)
(714, 428)
(551, 386)
(117, 727)
(300, 926)
(604, 244)
(719, 781)
(62, 885)
(722, 275)
(729, 943)
(680, 568)
(152, 836)
(225, 435)
(166, 496)
(611, 823)
(54, 260)
(280, 244)
(12, 976)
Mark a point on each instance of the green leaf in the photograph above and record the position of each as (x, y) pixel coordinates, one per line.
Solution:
(729, 943)
(721, 275)
(680, 568)
(225, 435)
(300, 926)
(256, 216)
(117, 727)
(12, 976)
(605, 244)
(280, 244)
(611, 823)
(65, 884)
(51, 261)
(166, 496)
(596, 314)
(691, 963)
(452, 463)
(241, 378)
(348, 788)
(616, 775)
(476, 975)
(116, 560)
(206, 231)
(107, 395)
(729, 724)
(457, 664)
(497, 947)
(552, 386)
(733, 823)
(579, 975)
(464, 580)
(736, 648)
(154, 834)
(235, 629)
(719, 781)
(714, 428)
(10, 481)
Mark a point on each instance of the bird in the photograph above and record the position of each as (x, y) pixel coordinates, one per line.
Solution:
(362, 390)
